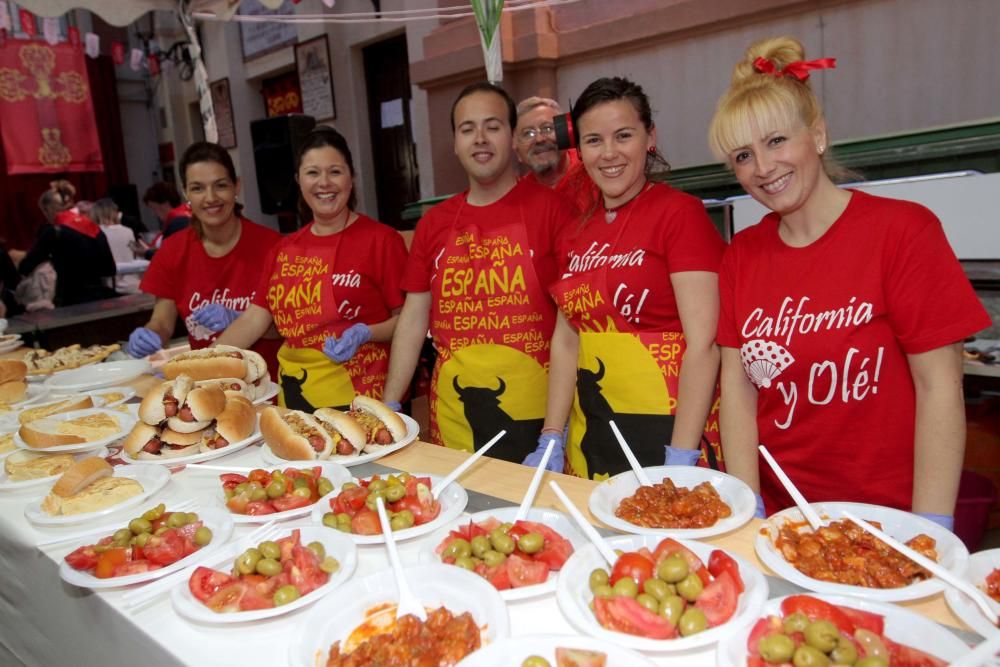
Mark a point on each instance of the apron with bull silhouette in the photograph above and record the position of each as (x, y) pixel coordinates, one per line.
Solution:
(318, 287)
(616, 293)
(492, 321)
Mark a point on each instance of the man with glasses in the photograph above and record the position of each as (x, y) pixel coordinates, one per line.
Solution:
(536, 148)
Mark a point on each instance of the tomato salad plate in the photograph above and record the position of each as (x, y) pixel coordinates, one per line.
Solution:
(983, 572)
(412, 431)
(118, 425)
(279, 493)
(702, 594)
(833, 629)
(789, 548)
(135, 554)
(152, 478)
(366, 606)
(493, 546)
(556, 651)
(7, 484)
(723, 505)
(200, 457)
(411, 508)
(251, 582)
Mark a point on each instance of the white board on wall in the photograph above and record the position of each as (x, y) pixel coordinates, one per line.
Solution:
(968, 206)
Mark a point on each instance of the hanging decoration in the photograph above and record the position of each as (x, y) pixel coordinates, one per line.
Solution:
(48, 115)
(92, 45)
(118, 53)
(50, 30)
(201, 82)
(488, 14)
(27, 20)
(73, 35)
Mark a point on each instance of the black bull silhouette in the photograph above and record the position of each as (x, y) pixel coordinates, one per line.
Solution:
(645, 434)
(486, 418)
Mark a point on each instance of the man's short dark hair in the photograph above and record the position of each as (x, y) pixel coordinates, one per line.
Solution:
(487, 87)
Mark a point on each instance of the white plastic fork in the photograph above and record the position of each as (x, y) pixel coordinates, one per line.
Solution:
(408, 602)
(465, 465)
(640, 474)
(588, 530)
(105, 530)
(536, 480)
(800, 501)
(140, 598)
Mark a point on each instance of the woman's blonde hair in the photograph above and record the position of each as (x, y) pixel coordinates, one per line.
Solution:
(762, 102)
(104, 212)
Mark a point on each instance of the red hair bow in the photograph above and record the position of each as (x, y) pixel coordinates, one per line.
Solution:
(798, 69)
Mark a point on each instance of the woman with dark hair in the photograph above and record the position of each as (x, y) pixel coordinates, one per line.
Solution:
(174, 215)
(208, 272)
(638, 299)
(75, 245)
(331, 288)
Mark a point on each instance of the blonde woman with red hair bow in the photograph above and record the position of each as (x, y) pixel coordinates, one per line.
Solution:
(841, 313)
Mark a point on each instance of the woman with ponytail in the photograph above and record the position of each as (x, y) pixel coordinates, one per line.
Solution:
(841, 312)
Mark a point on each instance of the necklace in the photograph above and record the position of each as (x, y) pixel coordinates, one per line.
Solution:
(610, 214)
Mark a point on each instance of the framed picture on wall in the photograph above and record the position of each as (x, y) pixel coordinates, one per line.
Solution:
(312, 61)
(223, 105)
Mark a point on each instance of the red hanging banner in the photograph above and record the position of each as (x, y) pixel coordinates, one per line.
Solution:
(117, 52)
(28, 26)
(73, 33)
(46, 112)
(153, 62)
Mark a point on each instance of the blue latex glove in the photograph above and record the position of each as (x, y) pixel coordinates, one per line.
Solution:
(943, 520)
(760, 513)
(215, 316)
(681, 457)
(557, 459)
(343, 348)
(395, 406)
(143, 342)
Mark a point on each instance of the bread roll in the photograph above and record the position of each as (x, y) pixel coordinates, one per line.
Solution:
(82, 474)
(54, 432)
(12, 370)
(13, 391)
(237, 421)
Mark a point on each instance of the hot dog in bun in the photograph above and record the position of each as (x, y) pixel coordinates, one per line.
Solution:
(198, 409)
(235, 423)
(347, 435)
(165, 401)
(229, 386)
(382, 426)
(147, 442)
(295, 435)
(222, 361)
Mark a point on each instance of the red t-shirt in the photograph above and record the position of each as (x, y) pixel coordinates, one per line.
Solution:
(546, 217)
(824, 332)
(318, 286)
(575, 185)
(183, 272)
(662, 231)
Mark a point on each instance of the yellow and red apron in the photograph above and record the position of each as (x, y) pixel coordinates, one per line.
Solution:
(492, 322)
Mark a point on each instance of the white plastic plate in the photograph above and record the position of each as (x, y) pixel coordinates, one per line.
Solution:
(152, 479)
(7, 485)
(231, 448)
(98, 375)
(606, 497)
(515, 650)
(272, 391)
(125, 422)
(901, 525)
(412, 431)
(334, 472)
(981, 564)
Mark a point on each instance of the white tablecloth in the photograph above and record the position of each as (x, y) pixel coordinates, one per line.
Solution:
(46, 622)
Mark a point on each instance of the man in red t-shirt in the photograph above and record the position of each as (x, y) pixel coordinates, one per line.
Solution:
(477, 278)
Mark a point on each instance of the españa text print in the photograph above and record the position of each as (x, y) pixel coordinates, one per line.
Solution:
(852, 377)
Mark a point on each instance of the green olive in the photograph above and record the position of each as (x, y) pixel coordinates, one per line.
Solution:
(658, 588)
(318, 549)
(796, 622)
(395, 493)
(101, 548)
(159, 531)
(690, 587)
(598, 577)
(285, 594)
(302, 492)
(154, 513)
(395, 524)
(258, 494)
(268, 567)
(347, 486)
(671, 608)
(269, 549)
(229, 493)
(506, 526)
(192, 517)
(277, 476)
(503, 543)
(404, 477)
(241, 487)
(496, 534)
(535, 661)
(324, 486)
(626, 586)
(330, 520)
(343, 518)
(376, 485)
(122, 534)
(822, 635)
(776, 647)
(457, 548)
(531, 543)
(466, 563)
(202, 536)
(404, 518)
(673, 569)
(692, 622)
(845, 653)
(123, 543)
(649, 602)
(275, 489)
(247, 561)
(371, 502)
(808, 656)
(176, 520)
(329, 564)
(300, 482)
(872, 661)
(480, 544)
(493, 558)
(141, 539)
(603, 591)
(140, 526)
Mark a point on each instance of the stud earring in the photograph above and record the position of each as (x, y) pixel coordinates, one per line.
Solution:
(651, 150)
(821, 149)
